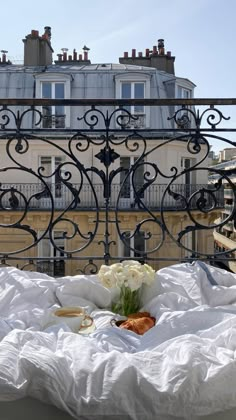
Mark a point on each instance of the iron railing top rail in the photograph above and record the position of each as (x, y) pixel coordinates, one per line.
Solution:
(118, 102)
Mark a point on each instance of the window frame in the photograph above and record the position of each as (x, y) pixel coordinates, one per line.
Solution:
(54, 78)
(55, 187)
(132, 254)
(54, 262)
(128, 193)
(133, 77)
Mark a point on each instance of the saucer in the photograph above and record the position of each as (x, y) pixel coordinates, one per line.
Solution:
(87, 330)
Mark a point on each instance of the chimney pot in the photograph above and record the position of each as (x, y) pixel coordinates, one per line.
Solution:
(47, 31)
(59, 57)
(133, 53)
(126, 54)
(64, 50)
(154, 50)
(147, 52)
(80, 57)
(85, 55)
(140, 54)
(161, 47)
(34, 33)
(74, 55)
(70, 58)
(4, 57)
(168, 53)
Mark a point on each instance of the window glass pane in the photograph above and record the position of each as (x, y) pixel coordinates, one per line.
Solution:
(139, 243)
(60, 116)
(126, 90)
(126, 93)
(46, 90)
(47, 117)
(179, 92)
(126, 245)
(58, 175)
(59, 110)
(44, 248)
(186, 94)
(139, 94)
(139, 90)
(59, 91)
(125, 164)
(138, 175)
(47, 110)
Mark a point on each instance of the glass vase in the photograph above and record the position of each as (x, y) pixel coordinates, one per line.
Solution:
(128, 301)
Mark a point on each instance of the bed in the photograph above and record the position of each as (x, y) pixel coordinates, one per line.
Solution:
(182, 368)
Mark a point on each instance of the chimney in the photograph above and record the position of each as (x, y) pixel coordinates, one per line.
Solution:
(156, 58)
(75, 58)
(3, 59)
(37, 49)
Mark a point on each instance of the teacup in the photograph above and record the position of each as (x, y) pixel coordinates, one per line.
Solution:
(74, 316)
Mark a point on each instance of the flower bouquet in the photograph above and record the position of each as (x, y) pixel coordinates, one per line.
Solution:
(128, 276)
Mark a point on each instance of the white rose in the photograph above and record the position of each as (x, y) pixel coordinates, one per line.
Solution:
(106, 276)
(131, 263)
(149, 274)
(119, 274)
(134, 277)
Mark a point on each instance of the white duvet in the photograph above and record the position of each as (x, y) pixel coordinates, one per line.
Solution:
(184, 366)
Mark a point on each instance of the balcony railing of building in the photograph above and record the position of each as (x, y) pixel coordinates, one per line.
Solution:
(14, 196)
(147, 187)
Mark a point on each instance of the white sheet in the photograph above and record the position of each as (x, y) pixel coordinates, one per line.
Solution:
(185, 366)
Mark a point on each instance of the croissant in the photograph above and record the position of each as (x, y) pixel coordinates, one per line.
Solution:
(139, 315)
(139, 325)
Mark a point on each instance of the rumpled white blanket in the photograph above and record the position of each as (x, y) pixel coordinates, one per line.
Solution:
(184, 366)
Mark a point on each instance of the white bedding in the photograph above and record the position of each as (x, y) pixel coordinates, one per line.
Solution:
(183, 367)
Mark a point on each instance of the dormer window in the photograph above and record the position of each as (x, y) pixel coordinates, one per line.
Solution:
(53, 116)
(184, 90)
(54, 86)
(134, 86)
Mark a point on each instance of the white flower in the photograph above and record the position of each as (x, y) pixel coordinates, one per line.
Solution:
(149, 274)
(119, 274)
(106, 276)
(128, 273)
(131, 262)
(134, 277)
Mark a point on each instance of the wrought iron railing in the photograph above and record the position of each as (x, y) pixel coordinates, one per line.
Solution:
(92, 208)
(14, 196)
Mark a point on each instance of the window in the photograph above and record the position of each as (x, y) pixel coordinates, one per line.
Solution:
(127, 190)
(52, 177)
(54, 266)
(184, 93)
(54, 86)
(136, 242)
(184, 90)
(53, 116)
(133, 90)
(189, 177)
(136, 85)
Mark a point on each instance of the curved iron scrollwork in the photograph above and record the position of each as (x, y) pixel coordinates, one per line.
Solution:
(107, 193)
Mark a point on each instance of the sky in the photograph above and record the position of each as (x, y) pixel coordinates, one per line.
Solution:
(200, 34)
